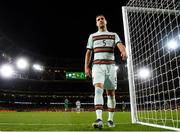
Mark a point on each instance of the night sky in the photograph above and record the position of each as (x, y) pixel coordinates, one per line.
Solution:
(54, 29)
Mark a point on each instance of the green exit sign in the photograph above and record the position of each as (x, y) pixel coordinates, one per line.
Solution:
(75, 75)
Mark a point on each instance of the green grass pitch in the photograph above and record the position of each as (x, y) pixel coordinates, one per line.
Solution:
(65, 121)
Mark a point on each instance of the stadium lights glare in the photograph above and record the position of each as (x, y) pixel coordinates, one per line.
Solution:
(38, 67)
(172, 44)
(22, 63)
(6, 71)
(144, 73)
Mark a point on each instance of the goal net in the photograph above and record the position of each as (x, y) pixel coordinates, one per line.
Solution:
(152, 37)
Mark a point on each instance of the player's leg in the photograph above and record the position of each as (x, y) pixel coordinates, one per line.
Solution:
(98, 103)
(65, 107)
(111, 85)
(98, 76)
(78, 109)
(111, 104)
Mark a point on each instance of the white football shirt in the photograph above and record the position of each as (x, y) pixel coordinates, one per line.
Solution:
(103, 44)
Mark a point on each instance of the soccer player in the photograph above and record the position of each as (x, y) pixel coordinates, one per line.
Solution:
(103, 72)
(78, 106)
(66, 103)
(123, 106)
(166, 105)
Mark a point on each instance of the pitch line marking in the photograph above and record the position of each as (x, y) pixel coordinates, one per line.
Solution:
(60, 124)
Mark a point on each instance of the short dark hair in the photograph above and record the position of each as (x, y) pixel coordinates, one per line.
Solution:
(99, 15)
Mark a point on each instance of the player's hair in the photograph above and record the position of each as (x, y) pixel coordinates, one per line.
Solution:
(100, 15)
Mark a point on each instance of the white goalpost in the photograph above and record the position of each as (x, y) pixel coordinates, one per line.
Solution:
(152, 38)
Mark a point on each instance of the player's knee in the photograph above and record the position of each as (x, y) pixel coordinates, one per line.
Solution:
(98, 85)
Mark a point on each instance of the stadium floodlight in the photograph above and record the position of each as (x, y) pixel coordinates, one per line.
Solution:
(144, 73)
(6, 70)
(172, 44)
(22, 63)
(38, 67)
(148, 24)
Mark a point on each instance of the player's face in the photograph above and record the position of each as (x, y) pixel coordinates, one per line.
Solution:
(101, 21)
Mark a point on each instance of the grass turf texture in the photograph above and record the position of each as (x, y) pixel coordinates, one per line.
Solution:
(65, 121)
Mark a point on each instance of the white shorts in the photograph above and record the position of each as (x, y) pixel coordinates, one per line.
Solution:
(105, 74)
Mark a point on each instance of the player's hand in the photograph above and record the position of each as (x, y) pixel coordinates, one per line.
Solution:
(88, 72)
(124, 55)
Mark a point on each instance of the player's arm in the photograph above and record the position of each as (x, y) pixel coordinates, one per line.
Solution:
(122, 49)
(87, 63)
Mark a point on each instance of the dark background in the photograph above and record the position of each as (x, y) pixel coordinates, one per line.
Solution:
(56, 33)
(56, 28)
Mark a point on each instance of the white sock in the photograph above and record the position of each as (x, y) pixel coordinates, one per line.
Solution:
(98, 100)
(111, 103)
(99, 114)
(110, 116)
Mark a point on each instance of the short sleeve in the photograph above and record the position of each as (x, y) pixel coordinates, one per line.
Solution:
(90, 43)
(117, 39)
